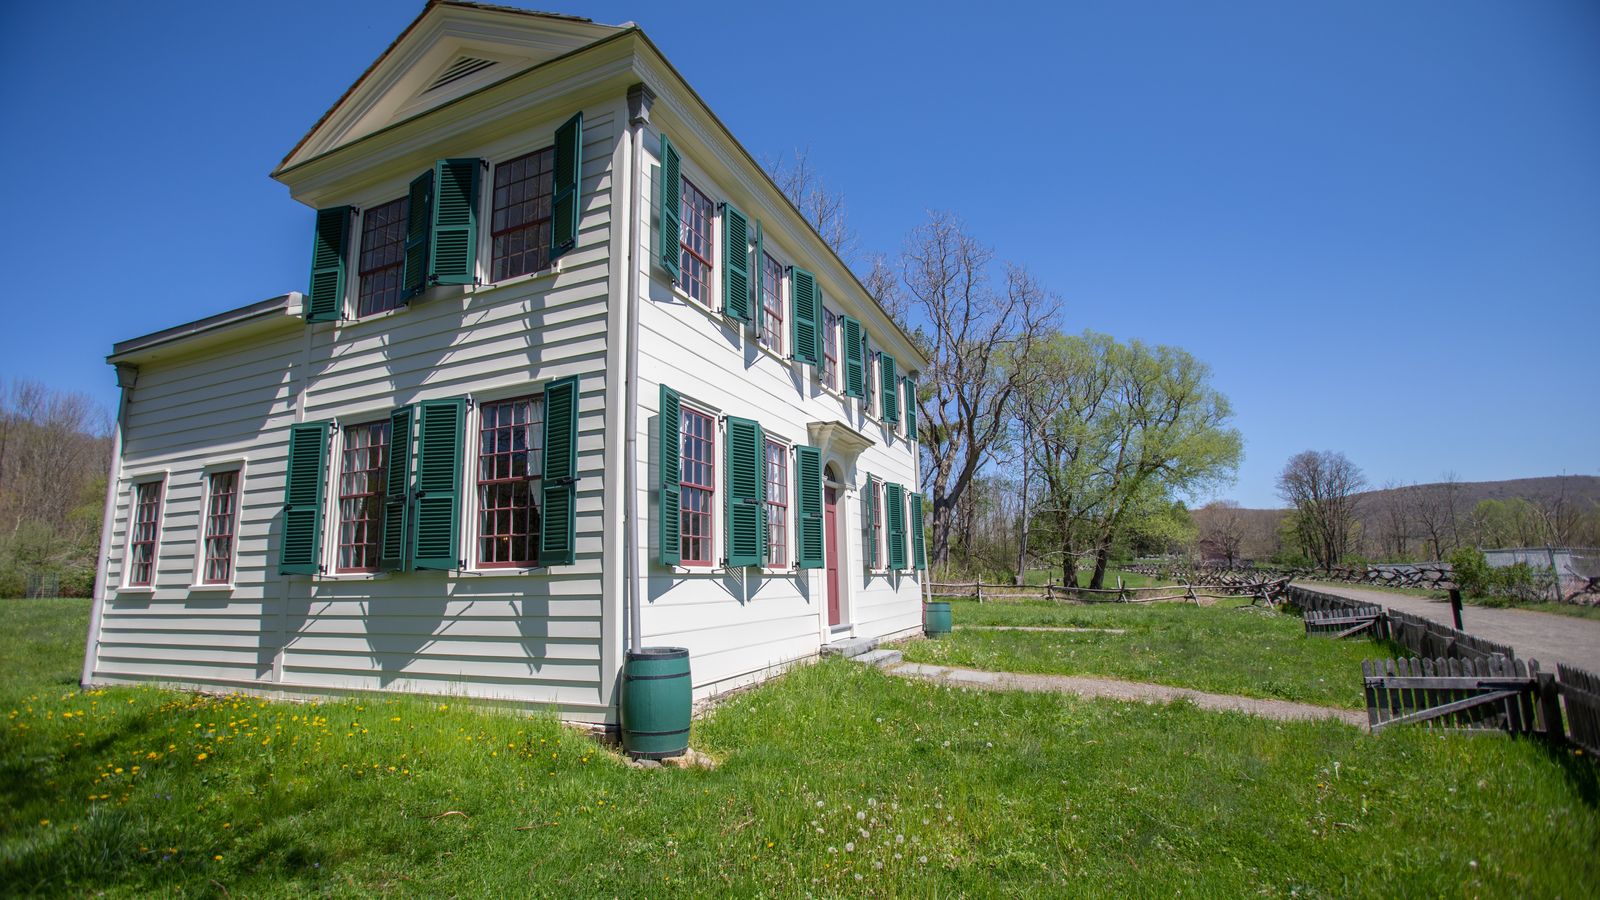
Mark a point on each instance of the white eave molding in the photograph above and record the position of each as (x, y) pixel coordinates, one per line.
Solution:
(837, 437)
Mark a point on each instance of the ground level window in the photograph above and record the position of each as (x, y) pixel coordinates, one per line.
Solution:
(520, 226)
(145, 535)
(510, 464)
(777, 504)
(222, 515)
(361, 487)
(696, 487)
(694, 269)
(830, 349)
(771, 304)
(880, 550)
(383, 256)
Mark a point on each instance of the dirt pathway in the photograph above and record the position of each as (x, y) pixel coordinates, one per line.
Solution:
(1547, 637)
(1127, 690)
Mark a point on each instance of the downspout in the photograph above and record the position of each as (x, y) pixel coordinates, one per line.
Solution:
(127, 375)
(640, 97)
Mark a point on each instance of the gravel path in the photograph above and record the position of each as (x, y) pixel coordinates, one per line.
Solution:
(1547, 637)
(1127, 690)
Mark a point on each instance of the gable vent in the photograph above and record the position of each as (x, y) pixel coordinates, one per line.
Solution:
(458, 70)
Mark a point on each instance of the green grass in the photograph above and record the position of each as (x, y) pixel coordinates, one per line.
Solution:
(1221, 648)
(835, 780)
(1575, 610)
(1039, 577)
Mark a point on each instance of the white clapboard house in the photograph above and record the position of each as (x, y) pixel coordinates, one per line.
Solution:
(570, 377)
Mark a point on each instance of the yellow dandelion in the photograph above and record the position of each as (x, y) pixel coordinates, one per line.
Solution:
(218, 857)
(201, 757)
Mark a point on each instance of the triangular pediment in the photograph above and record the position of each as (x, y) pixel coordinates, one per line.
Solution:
(451, 49)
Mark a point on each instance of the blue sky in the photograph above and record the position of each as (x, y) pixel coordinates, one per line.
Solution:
(1379, 222)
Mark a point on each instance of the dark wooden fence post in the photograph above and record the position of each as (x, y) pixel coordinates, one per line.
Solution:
(1550, 708)
(1455, 607)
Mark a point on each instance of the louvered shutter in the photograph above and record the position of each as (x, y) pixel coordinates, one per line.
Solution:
(919, 550)
(808, 505)
(745, 491)
(394, 548)
(565, 205)
(455, 221)
(758, 295)
(894, 507)
(671, 210)
(735, 263)
(889, 388)
(855, 384)
(911, 408)
(805, 311)
(419, 235)
(436, 537)
(304, 476)
(558, 500)
(669, 442)
(330, 251)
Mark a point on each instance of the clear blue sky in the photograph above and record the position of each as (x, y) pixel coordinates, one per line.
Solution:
(1379, 222)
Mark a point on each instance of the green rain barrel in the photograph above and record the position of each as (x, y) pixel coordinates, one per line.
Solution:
(936, 619)
(656, 699)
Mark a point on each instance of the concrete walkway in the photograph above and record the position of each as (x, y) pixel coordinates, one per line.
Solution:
(1547, 637)
(1127, 690)
(1055, 628)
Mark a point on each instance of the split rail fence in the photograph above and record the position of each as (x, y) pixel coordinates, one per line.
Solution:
(1269, 591)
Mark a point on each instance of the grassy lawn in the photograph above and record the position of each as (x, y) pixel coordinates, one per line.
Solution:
(1222, 648)
(1574, 610)
(836, 779)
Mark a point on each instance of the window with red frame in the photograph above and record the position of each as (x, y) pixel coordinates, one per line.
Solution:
(771, 304)
(696, 487)
(361, 487)
(694, 269)
(777, 504)
(830, 348)
(520, 226)
(870, 371)
(510, 463)
(881, 552)
(145, 534)
(222, 515)
(383, 257)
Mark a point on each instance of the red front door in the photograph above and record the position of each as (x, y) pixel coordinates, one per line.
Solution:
(831, 523)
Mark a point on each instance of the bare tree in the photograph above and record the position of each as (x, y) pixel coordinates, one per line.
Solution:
(883, 283)
(1438, 515)
(976, 337)
(1396, 509)
(1322, 487)
(821, 205)
(1222, 528)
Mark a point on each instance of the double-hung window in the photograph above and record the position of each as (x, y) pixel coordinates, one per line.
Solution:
(510, 465)
(222, 518)
(694, 268)
(520, 225)
(777, 456)
(383, 257)
(144, 536)
(870, 367)
(830, 349)
(880, 549)
(771, 303)
(361, 495)
(696, 485)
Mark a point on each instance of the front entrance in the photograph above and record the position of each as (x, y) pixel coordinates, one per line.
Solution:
(831, 525)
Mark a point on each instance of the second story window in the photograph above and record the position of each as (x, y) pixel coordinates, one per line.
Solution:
(383, 257)
(145, 535)
(510, 465)
(222, 516)
(696, 486)
(520, 226)
(694, 270)
(361, 485)
(830, 349)
(777, 504)
(870, 367)
(771, 304)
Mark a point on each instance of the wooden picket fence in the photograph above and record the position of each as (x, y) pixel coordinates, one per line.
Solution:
(1496, 694)
(1423, 638)
(1580, 693)
(1343, 623)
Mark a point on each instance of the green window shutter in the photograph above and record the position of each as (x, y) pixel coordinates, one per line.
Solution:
(565, 205)
(669, 443)
(745, 491)
(911, 407)
(855, 383)
(393, 549)
(330, 250)
(888, 390)
(558, 503)
(436, 537)
(757, 295)
(894, 504)
(455, 221)
(869, 521)
(919, 550)
(805, 312)
(419, 233)
(808, 506)
(671, 208)
(735, 263)
(304, 477)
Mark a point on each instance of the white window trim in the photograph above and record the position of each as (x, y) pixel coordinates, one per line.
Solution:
(328, 564)
(197, 574)
(164, 477)
(789, 513)
(471, 509)
(718, 427)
